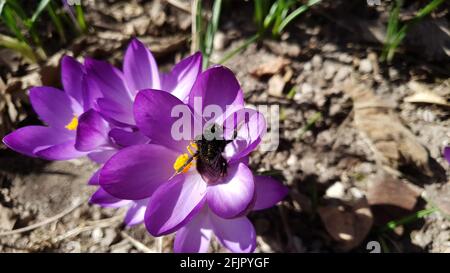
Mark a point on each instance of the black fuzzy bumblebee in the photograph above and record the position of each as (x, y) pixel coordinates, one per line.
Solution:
(209, 160)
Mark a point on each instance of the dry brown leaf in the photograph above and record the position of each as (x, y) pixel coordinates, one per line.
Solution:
(270, 68)
(424, 95)
(394, 145)
(388, 190)
(348, 224)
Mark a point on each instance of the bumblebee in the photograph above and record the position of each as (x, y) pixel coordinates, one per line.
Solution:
(207, 151)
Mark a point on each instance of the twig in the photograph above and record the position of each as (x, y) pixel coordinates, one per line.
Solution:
(180, 5)
(43, 223)
(138, 245)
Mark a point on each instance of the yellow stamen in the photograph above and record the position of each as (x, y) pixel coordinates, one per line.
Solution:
(180, 162)
(193, 145)
(73, 124)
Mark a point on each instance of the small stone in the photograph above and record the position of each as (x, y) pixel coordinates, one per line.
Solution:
(306, 88)
(330, 70)
(292, 160)
(97, 235)
(316, 62)
(342, 74)
(220, 41)
(336, 191)
(276, 85)
(307, 66)
(365, 66)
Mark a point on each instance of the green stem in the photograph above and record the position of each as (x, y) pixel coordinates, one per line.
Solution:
(233, 52)
(408, 219)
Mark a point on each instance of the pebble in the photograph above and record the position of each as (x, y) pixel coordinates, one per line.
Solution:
(330, 70)
(365, 66)
(316, 62)
(292, 160)
(335, 191)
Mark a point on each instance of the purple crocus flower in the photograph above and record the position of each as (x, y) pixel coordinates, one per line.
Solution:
(110, 127)
(116, 90)
(447, 153)
(160, 170)
(60, 110)
(237, 234)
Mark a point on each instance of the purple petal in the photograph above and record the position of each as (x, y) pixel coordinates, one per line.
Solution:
(72, 76)
(234, 194)
(92, 131)
(102, 156)
(152, 112)
(251, 127)
(135, 214)
(180, 80)
(52, 105)
(104, 199)
(175, 203)
(117, 100)
(62, 151)
(217, 86)
(268, 192)
(195, 236)
(27, 140)
(94, 180)
(238, 235)
(447, 153)
(125, 138)
(136, 171)
(112, 110)
(91, 92)
(139, 68)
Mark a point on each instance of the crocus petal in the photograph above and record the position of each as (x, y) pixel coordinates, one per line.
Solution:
(61, 151)
(104, 199)
(125, 138)
(114, 111)
(447, 153)
(135, 214)
(152, 112)
(175, 203)
(117, 100)
(72, 77)
(102, 155)
(139, 68)
(217, 87)
(238, 235)
(92, 131)
(136, 171)
(179, 81)
(195, 236)
(52, 105)
(94, 180)
(250, 126)
(232, 195)
(268, 192)
(28, 139)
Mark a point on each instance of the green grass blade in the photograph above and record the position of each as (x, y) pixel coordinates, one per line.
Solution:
(8, 17)
(57, 22)
(233, 52)
(309, 124)
(211, 31)
(408, 219)
(2, 5)
(428, 9)
(271, 15)
(296, 13)
(19, 46)
(80, 18)
(40, 8)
